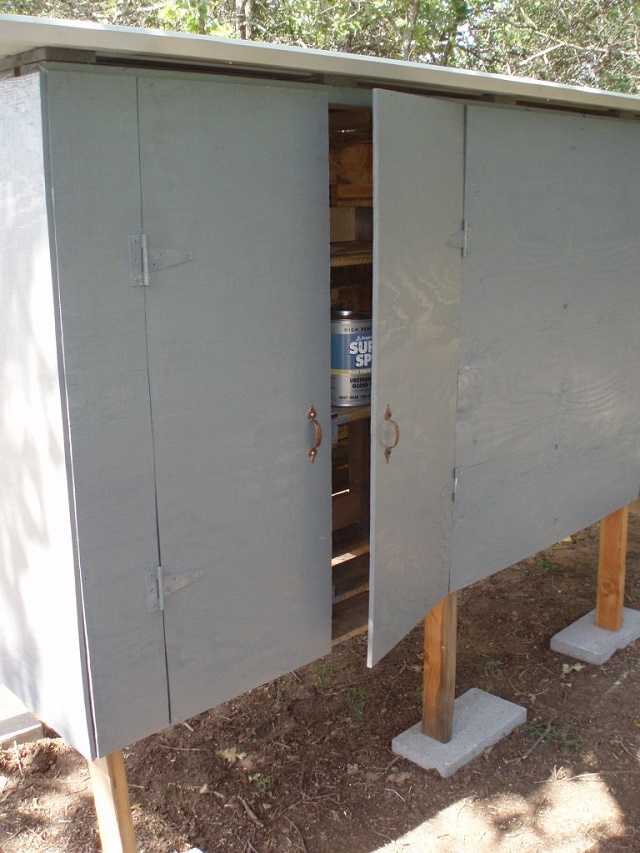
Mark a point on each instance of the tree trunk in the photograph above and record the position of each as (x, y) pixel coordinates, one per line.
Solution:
(244, 10)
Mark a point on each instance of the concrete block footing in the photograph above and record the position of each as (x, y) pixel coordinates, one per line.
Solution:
(17, 723)
(479, 720)
(583, 640)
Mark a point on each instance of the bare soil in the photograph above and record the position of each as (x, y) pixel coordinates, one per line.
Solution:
(304, 763)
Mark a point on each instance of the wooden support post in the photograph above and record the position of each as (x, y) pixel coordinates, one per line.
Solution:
(611, 571)
(440, 628)
(111, 796)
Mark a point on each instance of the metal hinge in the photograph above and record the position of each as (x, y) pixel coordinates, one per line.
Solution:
(159, 586)
(143, 264)
(457, 476)
(460, 239)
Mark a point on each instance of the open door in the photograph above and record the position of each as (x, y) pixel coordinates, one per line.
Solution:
(418, 223)
(234, 186)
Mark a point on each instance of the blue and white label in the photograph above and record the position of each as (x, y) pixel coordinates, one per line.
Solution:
(351, 358)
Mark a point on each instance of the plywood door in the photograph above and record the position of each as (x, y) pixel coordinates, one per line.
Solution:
(548, 408)
(418, 157)
(238, 351)
(95, 196)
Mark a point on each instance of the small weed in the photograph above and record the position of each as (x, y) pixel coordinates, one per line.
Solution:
(549, 734)
(264, 783)
(545, 564)
(493, 667)
(322, 673)
(284, 688)
(357, 698)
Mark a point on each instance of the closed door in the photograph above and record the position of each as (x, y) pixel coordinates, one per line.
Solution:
(234, 180)
(547, 403)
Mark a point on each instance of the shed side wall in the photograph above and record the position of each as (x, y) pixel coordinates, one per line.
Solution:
(41, 641)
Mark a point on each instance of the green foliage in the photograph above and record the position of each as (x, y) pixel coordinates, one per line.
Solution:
(545, 564)
(357, 699)
(322, 673)
(549, 734)
(581, 42)
(264, 783)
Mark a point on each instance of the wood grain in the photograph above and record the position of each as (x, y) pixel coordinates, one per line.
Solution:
(440, 629)
(113, 808)
(238, 351)
(548, 391)
(419, 150)
(612, 569)
(95, 176)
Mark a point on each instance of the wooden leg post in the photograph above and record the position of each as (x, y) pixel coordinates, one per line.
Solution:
(111, 796)
(611, 571)
(440, 628)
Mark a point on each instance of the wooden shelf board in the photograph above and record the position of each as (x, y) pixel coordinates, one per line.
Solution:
(350, 578)
(350, 618)
(351, 253)
(349, 414)
(348, 543)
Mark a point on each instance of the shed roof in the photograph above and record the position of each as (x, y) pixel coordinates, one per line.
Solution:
(19, 34)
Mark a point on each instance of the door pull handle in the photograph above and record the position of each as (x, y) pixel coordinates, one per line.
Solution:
(389, 447)
(312, 416)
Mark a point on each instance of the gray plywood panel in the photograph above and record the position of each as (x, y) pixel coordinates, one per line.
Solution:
(96, 182)
(238, 350)
(548, 411)
(418, 150)
(41, 637)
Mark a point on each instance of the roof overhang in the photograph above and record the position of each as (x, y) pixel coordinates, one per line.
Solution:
(19, 34)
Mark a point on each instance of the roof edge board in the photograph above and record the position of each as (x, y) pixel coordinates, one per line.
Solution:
(21, 33)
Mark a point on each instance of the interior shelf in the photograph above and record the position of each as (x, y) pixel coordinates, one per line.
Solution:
(350, 618)
(350, 582)
(350, 578)
(351, 253)
(349, 414)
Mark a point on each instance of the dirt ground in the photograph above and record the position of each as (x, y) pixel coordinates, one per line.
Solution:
(305, 763)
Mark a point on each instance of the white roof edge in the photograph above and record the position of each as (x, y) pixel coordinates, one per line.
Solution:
(21, 33)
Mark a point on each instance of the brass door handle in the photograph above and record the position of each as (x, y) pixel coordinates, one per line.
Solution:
(311, 416)
(389, 447)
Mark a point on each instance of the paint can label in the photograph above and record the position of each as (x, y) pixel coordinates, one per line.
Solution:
(351, 358)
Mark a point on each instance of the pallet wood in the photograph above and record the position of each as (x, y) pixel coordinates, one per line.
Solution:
(348, 543)
(350, 618)
(351, 253)
(612, 569)
(113, 809)
(439, 669)
(350, 578)
(350, 505)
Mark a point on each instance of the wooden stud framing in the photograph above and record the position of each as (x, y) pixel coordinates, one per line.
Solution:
(611, 571)
(440, 628)
(111, 796)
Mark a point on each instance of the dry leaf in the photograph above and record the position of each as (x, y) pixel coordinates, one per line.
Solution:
(231, 755)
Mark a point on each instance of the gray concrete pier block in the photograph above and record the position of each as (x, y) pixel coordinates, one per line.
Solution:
(17, 723)
(479, 720)
(583, 640)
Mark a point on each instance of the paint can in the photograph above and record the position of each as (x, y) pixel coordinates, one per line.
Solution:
(351, 357)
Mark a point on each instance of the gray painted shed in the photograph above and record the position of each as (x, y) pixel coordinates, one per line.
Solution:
(165, 274)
